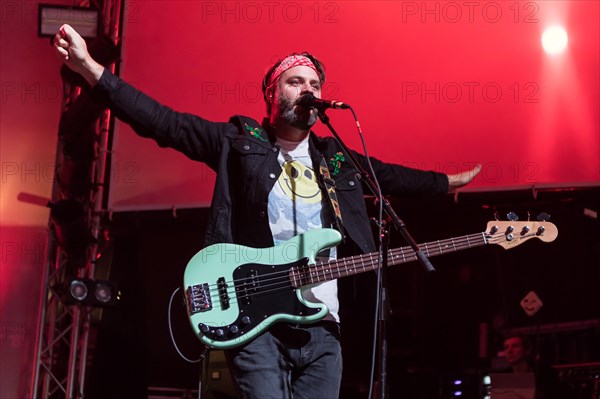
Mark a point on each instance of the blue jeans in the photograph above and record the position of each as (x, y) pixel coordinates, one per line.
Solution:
(299, 362)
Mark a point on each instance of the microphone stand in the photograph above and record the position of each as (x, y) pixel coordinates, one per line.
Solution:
(399, 224)
(204, 364)
(382, 389)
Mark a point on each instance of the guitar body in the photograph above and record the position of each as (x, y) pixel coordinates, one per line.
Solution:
(233, 293)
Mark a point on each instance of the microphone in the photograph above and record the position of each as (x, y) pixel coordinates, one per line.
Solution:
(308, 101)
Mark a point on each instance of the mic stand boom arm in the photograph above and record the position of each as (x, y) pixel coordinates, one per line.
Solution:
(385, 203)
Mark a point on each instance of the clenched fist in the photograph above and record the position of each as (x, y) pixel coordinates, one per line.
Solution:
(72, 50)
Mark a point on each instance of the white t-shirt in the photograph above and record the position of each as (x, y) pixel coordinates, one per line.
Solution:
(295, 206)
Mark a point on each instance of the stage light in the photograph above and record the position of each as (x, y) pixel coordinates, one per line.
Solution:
(51, 17)
(78, 290)
(554, 40)
(85, 291)
(103, 293)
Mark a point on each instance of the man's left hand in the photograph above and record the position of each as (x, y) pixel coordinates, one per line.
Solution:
(461, 179)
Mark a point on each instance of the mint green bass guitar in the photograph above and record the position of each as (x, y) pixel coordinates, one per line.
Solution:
(234, 293)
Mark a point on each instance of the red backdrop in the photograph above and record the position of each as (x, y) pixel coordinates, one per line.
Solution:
(436, 85)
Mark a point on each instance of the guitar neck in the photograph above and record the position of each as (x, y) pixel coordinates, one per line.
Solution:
(330, 270)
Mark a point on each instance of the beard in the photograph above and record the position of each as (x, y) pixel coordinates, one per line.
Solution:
(298, 117)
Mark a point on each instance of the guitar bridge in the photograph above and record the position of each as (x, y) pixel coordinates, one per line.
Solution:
(198, 298)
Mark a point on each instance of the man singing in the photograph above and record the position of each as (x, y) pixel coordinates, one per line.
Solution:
(269, 188)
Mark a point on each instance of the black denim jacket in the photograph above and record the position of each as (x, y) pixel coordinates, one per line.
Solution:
(243, 155)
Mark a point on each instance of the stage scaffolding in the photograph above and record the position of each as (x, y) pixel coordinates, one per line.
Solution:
(76, 226)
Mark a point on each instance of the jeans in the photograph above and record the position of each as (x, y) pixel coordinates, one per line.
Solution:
(299, 362)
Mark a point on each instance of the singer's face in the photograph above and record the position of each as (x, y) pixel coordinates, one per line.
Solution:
(292, 84)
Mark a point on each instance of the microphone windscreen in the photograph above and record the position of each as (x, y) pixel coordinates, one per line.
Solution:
(307, 100)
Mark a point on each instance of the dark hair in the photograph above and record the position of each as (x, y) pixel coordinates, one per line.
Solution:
(265, 83)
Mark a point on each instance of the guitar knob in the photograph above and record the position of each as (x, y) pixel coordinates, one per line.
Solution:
(543, 217)
(525, 230)
(540, 230)
(234, 329)
(203, 328)
(246, 320)
(220, 332)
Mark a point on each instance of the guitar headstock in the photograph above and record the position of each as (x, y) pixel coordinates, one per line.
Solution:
(512, 233)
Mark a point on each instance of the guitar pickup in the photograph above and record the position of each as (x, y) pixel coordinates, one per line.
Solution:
(198, 298)
(223, 296)
(249, 287)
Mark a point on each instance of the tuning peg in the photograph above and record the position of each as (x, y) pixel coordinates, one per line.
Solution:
(496, 215)
(543, 217)
(528, 216)
(512, 216)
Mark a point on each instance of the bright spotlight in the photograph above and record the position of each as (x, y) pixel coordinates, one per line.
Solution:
(554, 39)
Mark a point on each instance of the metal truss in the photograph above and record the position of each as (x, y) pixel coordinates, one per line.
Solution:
(63, 333)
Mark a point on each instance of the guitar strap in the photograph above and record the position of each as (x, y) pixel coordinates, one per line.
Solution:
(331, 195)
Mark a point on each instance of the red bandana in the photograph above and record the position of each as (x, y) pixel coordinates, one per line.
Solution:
(290, 62)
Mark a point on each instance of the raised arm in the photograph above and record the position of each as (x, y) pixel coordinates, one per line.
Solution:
(197, 138)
